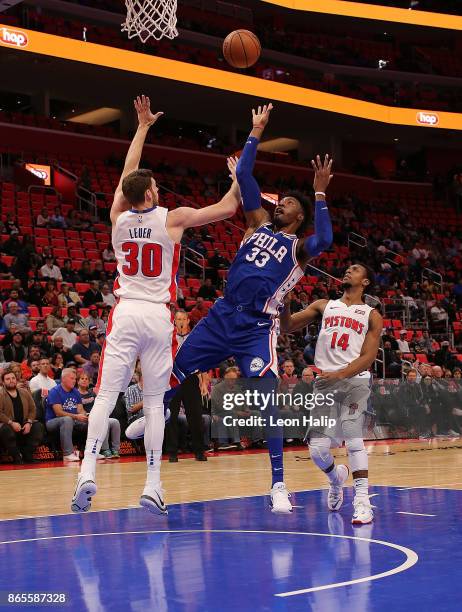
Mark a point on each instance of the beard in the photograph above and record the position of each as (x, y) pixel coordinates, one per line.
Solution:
(346, 285)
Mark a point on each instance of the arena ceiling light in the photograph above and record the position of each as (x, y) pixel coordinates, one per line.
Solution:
(99, 116)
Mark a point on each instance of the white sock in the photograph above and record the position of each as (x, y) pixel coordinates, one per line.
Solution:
(98, 423)
(153, 409)
(361, 486)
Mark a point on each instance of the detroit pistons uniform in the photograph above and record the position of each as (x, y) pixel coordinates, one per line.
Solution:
(340, 340)
(140, 324)
(244, 323)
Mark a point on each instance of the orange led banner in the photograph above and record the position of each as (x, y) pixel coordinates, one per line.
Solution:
(130, 61)
(374, 11)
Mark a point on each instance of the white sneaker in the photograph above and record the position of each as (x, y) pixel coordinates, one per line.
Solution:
(84, 491)
(153, 500)
(280, 502)
(72, 457)
(335, 495)
(363, 513)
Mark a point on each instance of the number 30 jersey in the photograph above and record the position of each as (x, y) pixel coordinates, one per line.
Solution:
(264, 270)
(147, 258)
(342, 335)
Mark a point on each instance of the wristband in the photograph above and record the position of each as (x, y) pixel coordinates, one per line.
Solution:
(319, 193)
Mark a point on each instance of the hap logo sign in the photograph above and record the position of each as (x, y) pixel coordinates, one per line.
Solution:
(427, 118)
(13, 38)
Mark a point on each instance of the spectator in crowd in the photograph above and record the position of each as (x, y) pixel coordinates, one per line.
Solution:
(91, 368)
(409, 401)
(54, 320)
(438, 318)
(42, 380)
(57, 366)
(50, 297)
(424, 344)
(50, 270)
(392, 361)
(65, 413)
(67, 333)
(37, 338)
(22, 383)
(43, 218)
(11, 225)
(403, 344)
(69, 275)
(68, 297)
(225, 433)
(35, 294)
(14, 297)
(390, 338)
(198, 312)
(108, 296)
(99, 274)
(85, 274)
(134, 399)
(88, 399)
(217, 262)
(182, 326)
(93, 297)
(432, 405)
(57, 219)
(100, 340)
(15, 348)
(83, 348)
(20, 433)
(208, 291)
(288, 376)
(305, 385)
(12, 246)
(73, 314)
(443, 357)
(108, 253)
(58, 347)
(14, 317)
(32, 368)
(310, 344)
(94, 319)
(5, 271)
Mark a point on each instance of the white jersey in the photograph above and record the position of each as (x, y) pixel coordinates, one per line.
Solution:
(342, 335)
(147, 258)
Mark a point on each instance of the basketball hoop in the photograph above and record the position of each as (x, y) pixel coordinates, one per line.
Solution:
(146, 18)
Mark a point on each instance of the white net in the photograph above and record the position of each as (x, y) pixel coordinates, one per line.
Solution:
(146, 18)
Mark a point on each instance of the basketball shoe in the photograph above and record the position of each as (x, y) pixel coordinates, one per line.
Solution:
(363, 513)
(280, 502)
(335, 495)
(153, 500)
(84, 491)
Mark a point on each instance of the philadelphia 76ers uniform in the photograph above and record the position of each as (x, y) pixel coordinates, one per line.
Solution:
(140, 324)
(244, 322)
(340, 340)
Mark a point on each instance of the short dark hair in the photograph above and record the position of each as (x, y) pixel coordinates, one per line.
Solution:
(370, 274)
(307, 208)
(135, 185)
(6, 372)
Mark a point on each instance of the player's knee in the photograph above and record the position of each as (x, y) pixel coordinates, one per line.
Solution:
(320, 451)
(355, 445)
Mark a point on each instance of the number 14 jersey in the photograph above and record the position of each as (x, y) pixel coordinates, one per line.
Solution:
(147, 258)
(342, 335)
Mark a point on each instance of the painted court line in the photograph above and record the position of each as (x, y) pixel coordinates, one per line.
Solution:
(415, 513)
(411, 556)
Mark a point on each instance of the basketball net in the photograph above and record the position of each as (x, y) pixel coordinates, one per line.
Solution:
(146, 18)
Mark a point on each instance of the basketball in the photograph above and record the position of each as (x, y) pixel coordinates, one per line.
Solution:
(241, 49)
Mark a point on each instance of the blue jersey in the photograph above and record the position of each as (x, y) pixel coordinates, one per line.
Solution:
(264, 270)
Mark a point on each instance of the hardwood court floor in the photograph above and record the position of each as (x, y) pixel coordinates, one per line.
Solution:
(45, 491)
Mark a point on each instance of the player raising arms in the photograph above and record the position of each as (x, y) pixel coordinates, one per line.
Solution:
(347, 346)
(271, 259)
(146, 240)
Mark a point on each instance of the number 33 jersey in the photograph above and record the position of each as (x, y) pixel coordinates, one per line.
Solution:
(342, 335)
(147, 258)
(264, 270)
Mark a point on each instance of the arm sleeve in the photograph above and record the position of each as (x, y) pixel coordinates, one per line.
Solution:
(322, 238)
(250, 190)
